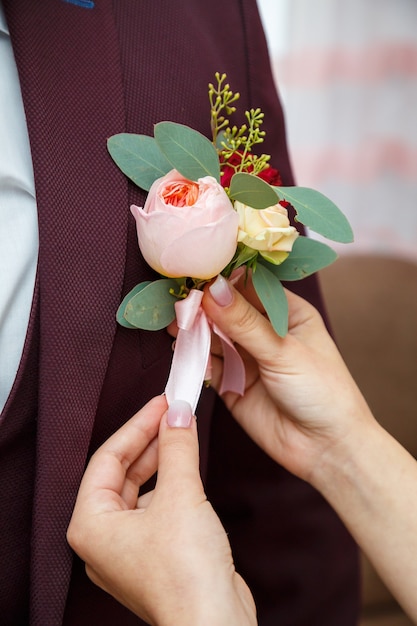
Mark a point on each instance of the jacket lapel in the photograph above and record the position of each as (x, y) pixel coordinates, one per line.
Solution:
(69, 67)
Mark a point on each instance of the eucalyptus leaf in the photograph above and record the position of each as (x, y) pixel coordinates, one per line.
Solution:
(121, 310)
(252, 191)
(272, 295)
(307, 257)
(152, 308)
(317, 212)
(188, 151)
(139, 157)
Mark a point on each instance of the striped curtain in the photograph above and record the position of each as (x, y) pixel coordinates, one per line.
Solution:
(347, 74)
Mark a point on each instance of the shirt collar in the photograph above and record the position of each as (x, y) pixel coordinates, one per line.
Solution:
(3, 24)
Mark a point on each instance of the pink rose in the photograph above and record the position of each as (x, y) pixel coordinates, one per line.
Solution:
(187, 228)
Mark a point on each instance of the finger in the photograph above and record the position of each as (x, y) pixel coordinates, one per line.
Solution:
(144, 501)
(178, 469)
(302, 316)
(239, 320)
(245, 286)
(139, 473)
(172, 329)
(105, 476)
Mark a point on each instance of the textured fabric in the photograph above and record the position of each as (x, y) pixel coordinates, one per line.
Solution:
(17, 464)
(66, 82)
(85, 75)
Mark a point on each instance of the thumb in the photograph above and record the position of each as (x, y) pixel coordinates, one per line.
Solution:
(241, 321)
(178, 450)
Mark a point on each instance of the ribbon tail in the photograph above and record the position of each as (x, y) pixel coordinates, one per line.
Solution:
(189, 363)
(234, 375)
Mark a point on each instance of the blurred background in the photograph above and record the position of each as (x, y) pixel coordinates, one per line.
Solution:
(347, 76)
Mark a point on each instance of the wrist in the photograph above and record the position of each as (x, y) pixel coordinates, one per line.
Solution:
(212, 613)
(345, 458)
(225, 603)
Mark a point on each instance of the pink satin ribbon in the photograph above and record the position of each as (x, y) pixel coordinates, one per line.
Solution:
(192, 354)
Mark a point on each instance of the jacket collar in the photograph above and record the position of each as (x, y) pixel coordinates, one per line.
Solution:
(69, 68)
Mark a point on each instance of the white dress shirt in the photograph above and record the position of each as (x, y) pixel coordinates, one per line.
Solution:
(18, 218)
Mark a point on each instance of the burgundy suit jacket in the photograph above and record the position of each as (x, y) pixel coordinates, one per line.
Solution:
(88, 73)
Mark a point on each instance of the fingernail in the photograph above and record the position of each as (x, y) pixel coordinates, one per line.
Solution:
(221, 292)
(179, 414)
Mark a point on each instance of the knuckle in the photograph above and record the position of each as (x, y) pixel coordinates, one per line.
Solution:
(247, 320)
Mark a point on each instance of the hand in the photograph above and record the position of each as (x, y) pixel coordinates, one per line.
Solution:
(300, 400)
(165, 555)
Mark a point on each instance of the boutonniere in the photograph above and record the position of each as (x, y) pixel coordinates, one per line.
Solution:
(214, 206)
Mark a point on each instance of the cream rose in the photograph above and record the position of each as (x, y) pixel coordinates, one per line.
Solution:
(187, 228)
(266, 230)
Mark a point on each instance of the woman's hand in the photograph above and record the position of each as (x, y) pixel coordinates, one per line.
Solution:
(165, 555)
(300, 400)
(302, 406)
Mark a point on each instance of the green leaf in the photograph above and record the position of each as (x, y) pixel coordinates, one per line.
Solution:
(152, 307)
(272, 295)
(139, 157)
(307, 257)
(120, 311)
(252, 191)
(188, 151)
(317, 212)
